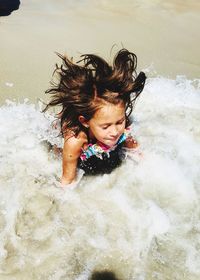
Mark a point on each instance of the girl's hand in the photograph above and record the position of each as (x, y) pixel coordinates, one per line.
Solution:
(67, 183)
(131, 143)
(64, 181)
(131, 149)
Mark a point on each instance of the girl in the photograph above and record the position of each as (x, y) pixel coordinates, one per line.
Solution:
(96, 101)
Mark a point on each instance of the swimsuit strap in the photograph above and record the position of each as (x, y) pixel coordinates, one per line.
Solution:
(99, 148)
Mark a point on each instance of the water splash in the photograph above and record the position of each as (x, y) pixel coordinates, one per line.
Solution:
(141, 221)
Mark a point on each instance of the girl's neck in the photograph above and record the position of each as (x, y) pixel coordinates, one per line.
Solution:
(91, 137)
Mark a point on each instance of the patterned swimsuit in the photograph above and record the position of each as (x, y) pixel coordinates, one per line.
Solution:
(99, 158)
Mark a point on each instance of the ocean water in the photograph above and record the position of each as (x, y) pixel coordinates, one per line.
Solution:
(141, 221)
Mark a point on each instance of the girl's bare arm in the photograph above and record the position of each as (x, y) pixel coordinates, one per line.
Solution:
(71, 152)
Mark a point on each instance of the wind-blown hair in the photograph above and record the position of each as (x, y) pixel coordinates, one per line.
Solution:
(83, 87)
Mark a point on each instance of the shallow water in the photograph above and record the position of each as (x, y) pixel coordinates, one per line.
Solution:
(141, 221)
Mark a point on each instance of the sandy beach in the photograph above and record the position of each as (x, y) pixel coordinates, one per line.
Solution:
(164, 36)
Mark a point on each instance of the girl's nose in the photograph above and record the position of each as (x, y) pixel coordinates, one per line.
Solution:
(114, 132)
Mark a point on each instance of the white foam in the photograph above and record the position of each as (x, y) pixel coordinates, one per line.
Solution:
(109, 221)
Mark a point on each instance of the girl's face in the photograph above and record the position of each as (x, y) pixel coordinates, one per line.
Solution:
(108, 123)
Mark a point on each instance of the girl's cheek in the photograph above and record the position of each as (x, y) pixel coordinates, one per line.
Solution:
(122, 127)
(104, 131)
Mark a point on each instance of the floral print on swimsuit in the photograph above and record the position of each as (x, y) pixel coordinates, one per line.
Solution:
(99, 148)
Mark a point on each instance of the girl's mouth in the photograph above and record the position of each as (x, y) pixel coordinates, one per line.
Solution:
(113, 139)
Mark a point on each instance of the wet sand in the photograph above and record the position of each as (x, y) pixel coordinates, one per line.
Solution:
(164, 36)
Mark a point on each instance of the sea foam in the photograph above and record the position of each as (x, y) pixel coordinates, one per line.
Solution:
(141, 221)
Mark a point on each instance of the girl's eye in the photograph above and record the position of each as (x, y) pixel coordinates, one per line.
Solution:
(121, 122)
(104, 127)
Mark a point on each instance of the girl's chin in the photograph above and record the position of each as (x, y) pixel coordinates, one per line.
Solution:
(110, 143)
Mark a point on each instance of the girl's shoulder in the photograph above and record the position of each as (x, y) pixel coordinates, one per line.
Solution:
(72, 140)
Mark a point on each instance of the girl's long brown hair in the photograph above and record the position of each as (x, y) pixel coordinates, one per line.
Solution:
(83, 86)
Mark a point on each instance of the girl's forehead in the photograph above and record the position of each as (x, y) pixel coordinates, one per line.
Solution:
(110, 112)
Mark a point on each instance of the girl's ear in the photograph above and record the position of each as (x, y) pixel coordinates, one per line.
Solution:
(83, 121)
